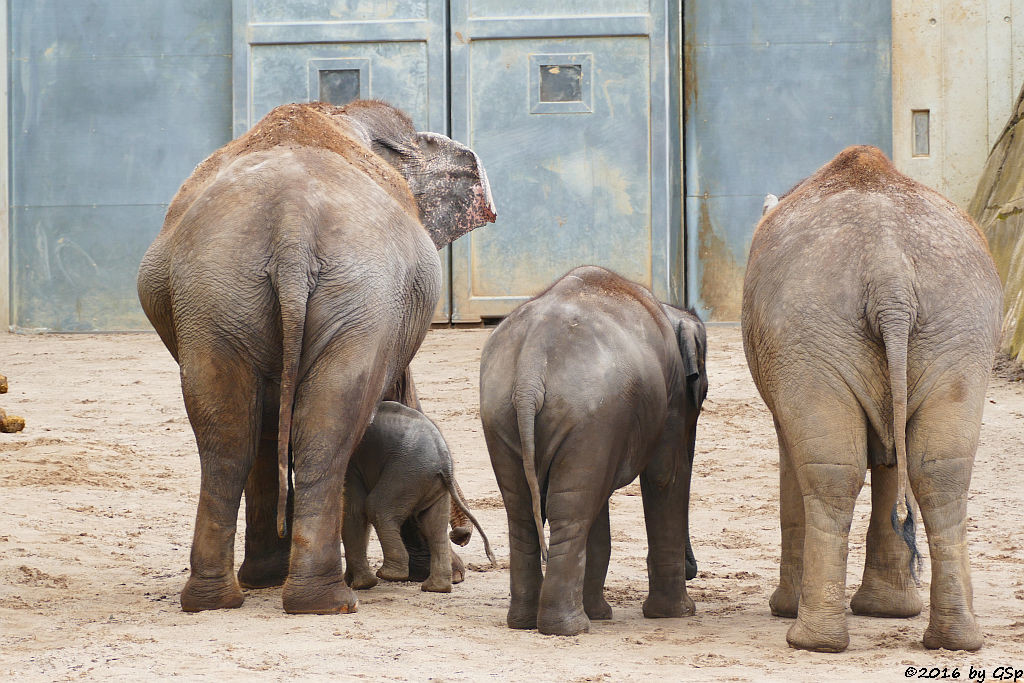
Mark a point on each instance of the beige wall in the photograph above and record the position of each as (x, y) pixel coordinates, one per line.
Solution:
(5, 270)
(963, 60)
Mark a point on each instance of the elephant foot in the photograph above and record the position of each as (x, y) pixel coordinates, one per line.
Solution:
(522, 615)
(436, 585)
(393, 571)
(318, 596)
(360, 580)
(460, 535)
(211, 593)
(876, 598)
(783, 602)
(664, 607)
(597, 609)
(264, 572)
(962, 635)
(458, 569)
(561, 624)
(690, 567)
(823, 640)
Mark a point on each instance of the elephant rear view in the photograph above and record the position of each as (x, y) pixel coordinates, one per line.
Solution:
(581, 389)
(871, 310)
(293, 280)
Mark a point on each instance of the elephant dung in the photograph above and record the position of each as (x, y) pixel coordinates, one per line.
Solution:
(9, 423)
(3, 384)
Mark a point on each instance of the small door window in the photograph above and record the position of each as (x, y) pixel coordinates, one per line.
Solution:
(560, 83)
(338, 81)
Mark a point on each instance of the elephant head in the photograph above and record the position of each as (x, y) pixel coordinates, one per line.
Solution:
(446, 178)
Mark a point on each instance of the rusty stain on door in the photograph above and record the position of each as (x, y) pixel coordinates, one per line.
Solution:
(721, 277)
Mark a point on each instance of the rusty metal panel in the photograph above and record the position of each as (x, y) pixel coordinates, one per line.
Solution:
(336, 50)
(772, 91)
(571, 109)
(112, 104)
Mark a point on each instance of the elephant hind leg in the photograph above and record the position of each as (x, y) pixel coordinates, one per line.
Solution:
(598, 553)
(942, 438)
(222, 396)
(573, 503)
(786, 597)
(266, 555)
(434, 523)
(887, 589)
(355, 534)
(525, 575)
(333, 406)
(826, 439)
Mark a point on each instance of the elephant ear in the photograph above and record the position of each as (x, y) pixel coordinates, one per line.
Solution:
(450, 186)
(691, 338)
(446, 178)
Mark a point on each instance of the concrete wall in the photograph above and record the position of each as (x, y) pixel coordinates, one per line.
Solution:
(962, 61)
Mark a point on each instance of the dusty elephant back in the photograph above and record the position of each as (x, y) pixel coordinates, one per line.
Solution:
(585, 352)
(316, 125)
(581, 325)
(858, 228)
(851, 247)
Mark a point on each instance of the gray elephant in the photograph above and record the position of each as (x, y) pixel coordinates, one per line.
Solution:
(582, 389)
(871, 310)
(293, 280)
(402, 470)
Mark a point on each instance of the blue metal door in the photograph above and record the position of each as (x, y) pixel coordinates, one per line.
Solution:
(568, 103)
(773, 91)
(341, 50)
(572, 106)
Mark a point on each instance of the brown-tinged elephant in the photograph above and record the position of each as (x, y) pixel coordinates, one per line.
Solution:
(401, 471)
(293, 280)
(871, 310)
(582, 389)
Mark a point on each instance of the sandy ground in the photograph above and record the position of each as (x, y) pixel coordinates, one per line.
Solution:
(99, 493)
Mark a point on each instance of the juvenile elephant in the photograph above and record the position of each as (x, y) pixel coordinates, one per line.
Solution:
(293, 280)
(581, 389)
(402, 470)
(871, 309)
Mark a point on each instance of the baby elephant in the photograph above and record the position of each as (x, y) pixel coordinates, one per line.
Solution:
(401, 470)
(582, 389)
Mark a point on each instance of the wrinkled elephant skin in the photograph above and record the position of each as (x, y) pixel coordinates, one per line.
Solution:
(293, 280)
(582, 389)
(401, 471)
(871, 309)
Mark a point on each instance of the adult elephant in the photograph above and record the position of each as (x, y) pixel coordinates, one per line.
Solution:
(582, 389)
(871, 310)
(293, 280)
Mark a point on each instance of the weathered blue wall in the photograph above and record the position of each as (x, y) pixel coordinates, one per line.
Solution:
(773, 90)
(113, 103)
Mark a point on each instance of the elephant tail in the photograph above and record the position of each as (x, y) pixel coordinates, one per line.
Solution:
(895, 331)
(453, 489)
(292, 285)
(526, 410)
